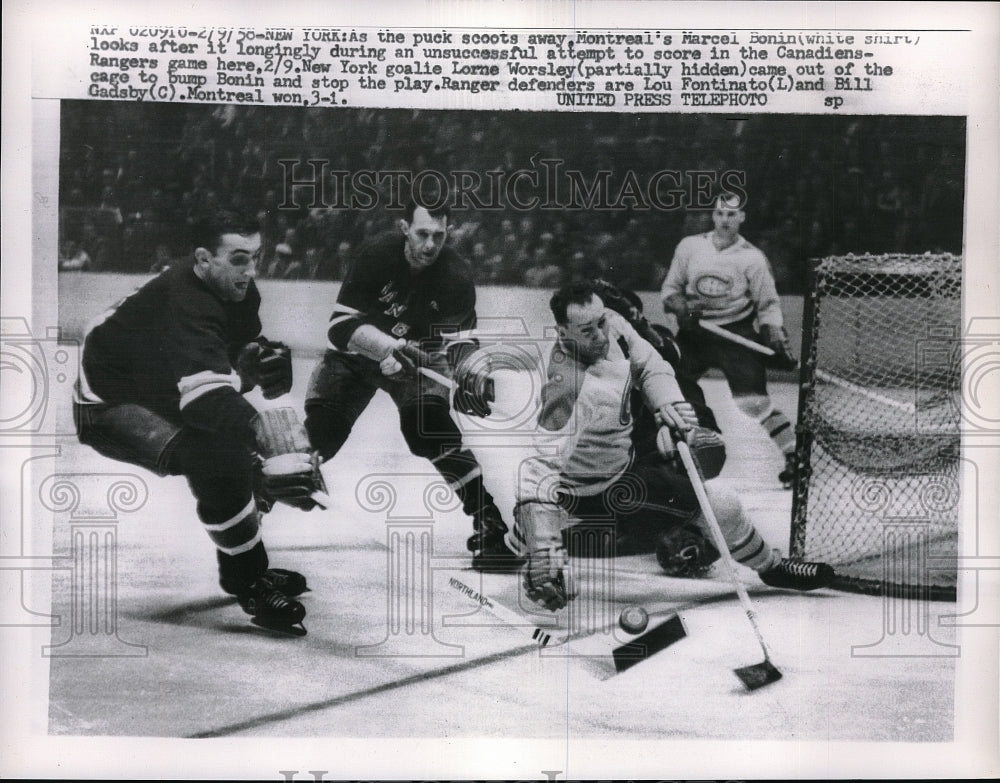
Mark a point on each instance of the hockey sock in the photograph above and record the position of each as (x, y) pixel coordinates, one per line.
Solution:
(745, 543)
(243, 567)
(775, 423)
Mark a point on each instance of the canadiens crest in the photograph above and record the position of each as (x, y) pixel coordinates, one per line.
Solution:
(401, 329)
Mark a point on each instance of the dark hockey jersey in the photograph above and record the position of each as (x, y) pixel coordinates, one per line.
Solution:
(434, 306)
(170, 346)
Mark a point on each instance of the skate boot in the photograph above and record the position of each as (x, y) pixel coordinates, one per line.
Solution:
(270, 608)
(490, 553)
(797, 575)
(291, 583)
(787, 475)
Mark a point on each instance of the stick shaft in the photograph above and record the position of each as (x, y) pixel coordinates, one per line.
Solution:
(735, 338)
(437, 377)
(720, 540)
(507, 616)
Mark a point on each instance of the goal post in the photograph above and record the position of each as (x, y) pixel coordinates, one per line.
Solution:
(878, 447)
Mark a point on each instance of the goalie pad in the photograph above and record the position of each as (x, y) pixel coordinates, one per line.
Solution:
(684, 552)
(289, 471)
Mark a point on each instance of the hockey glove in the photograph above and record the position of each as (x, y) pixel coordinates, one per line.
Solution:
(547, 579)
(408, 356)
(776, 339)
(474, 388)
(266, 364)
(275, 374)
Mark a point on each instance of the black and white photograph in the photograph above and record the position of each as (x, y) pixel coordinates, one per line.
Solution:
(387, 397)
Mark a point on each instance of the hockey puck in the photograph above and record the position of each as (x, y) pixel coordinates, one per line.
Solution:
(633, 619)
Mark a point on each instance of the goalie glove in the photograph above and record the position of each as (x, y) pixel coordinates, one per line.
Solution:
(474, 388)
(289, 470)
(267, 364)
(547, 580)
(776, 339)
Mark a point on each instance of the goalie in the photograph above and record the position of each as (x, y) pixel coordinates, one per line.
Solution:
(162, 379)
(586, 467)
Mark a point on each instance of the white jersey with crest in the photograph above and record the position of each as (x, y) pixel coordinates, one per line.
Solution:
(725, 285)
(585, 420)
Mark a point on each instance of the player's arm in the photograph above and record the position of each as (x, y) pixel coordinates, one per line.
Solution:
(764, 293)
(673, 293)
(654, 377)
(470, 369)
(352, 327)
(209, 387)
(538, 517)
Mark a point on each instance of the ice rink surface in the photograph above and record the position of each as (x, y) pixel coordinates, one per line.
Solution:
(187, 663)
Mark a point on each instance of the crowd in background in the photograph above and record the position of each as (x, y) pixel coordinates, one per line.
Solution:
(132, 175)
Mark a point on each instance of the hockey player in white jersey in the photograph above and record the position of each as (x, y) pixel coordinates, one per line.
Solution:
(719, 277)
(586, 464)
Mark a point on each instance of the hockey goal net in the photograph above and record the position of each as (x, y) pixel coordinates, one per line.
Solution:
(877, 490)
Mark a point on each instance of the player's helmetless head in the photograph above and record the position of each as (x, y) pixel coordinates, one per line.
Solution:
(425, 233)
(728, 216)
(582, 321)
(229, 267)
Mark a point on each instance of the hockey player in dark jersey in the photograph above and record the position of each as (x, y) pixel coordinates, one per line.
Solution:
(163, 377)
(587, 466)
(408, 301)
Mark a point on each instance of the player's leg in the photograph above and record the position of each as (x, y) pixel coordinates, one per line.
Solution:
(746, 374)
(221, 478)
(668, 494)
(430, 432)
(339, 390)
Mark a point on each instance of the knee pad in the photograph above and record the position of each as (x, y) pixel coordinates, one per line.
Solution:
(327, 428)
(754, 405)
(728, 510)
(428, 428)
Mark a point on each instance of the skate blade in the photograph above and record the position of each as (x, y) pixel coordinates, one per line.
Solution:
(285, 630)
(758, 675)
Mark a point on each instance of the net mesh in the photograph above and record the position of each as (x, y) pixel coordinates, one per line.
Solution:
(877, 492)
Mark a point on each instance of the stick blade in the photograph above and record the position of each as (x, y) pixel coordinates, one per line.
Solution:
(758, 675)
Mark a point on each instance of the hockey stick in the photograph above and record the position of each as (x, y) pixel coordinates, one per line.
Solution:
(759, 674)
(725, 334)
(603, 658)
(821, 374)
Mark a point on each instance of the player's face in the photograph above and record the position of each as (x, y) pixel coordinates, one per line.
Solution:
(425, 236)
(587, 327)
(727, 220)
(230, 269)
